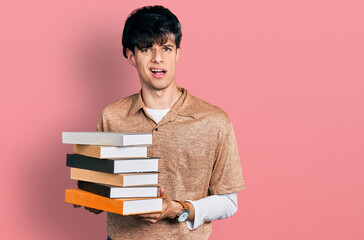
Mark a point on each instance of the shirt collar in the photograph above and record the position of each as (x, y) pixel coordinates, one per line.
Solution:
(137, 104)
(183, 106)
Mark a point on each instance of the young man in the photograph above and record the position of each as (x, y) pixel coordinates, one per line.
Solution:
(200, 170)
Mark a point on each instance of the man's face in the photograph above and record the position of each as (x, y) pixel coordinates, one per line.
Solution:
(156, 65)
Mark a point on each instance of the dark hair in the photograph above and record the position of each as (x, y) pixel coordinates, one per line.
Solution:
(148, 25)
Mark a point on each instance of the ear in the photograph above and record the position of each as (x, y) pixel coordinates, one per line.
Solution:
(177, 54)
(131, 57)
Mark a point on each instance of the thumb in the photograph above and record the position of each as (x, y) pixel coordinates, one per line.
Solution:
(163, 192)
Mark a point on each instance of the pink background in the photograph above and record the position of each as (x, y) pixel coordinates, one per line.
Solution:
(288, 73)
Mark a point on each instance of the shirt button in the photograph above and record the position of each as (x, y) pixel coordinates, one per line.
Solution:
(156, 129)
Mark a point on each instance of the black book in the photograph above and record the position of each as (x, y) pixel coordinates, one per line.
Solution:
(118, 192)
(113, 165)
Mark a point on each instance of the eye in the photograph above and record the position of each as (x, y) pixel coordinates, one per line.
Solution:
(167, 49)
(145, 50)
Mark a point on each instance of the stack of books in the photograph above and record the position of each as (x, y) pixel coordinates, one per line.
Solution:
(113, 171)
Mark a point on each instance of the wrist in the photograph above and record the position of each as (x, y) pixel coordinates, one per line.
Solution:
(175, 209)
(178, 208)
(184, 212)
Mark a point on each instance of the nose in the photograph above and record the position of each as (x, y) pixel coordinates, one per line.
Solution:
(158, 56)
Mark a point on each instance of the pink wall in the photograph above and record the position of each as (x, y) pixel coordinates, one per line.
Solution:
(289, 74)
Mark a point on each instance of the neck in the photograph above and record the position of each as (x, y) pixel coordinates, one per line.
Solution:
(161, 99)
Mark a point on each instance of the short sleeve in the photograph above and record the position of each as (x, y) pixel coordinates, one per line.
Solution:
(227, 176)
(100, 127)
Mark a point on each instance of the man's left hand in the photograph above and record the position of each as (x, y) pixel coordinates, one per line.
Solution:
(170, 210)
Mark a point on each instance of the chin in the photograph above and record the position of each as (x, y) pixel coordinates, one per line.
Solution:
(161, 86)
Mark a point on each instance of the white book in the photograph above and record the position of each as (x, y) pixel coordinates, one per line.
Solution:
(107, 138)
(118, 192)
(110, 152)
(115, 166)
(133, 165)
(143, 206)
(121, 180)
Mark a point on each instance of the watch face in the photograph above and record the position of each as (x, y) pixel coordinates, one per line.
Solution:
(183, 217)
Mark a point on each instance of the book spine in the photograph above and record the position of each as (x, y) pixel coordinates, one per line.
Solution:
(83, 198)
(87, 150)
(97, 177)
(87, 199)
(95, 188)
(90, 163)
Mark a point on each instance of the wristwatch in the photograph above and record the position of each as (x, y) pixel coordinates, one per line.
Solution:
(184, 213)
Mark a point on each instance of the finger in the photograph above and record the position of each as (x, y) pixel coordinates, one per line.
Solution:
(163, 192)
(148, 215)
(151, 220)
(97, 211)
(93, 210)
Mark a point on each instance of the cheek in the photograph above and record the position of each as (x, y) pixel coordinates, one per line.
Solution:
(173, 65)
(142, 67)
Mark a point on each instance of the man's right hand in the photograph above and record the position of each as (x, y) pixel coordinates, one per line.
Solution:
(93, 210)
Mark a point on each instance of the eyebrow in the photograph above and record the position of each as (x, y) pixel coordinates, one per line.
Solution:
(168, 45)
(164, 45)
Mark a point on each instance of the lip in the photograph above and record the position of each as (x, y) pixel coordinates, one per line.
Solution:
(158, 75)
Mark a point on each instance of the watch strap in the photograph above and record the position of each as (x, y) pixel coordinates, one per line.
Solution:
(185, 209)
(184, 205)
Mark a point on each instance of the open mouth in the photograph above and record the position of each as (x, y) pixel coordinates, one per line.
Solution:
(158, 71)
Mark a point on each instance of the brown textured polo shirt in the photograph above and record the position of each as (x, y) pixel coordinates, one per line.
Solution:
(198, 157)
